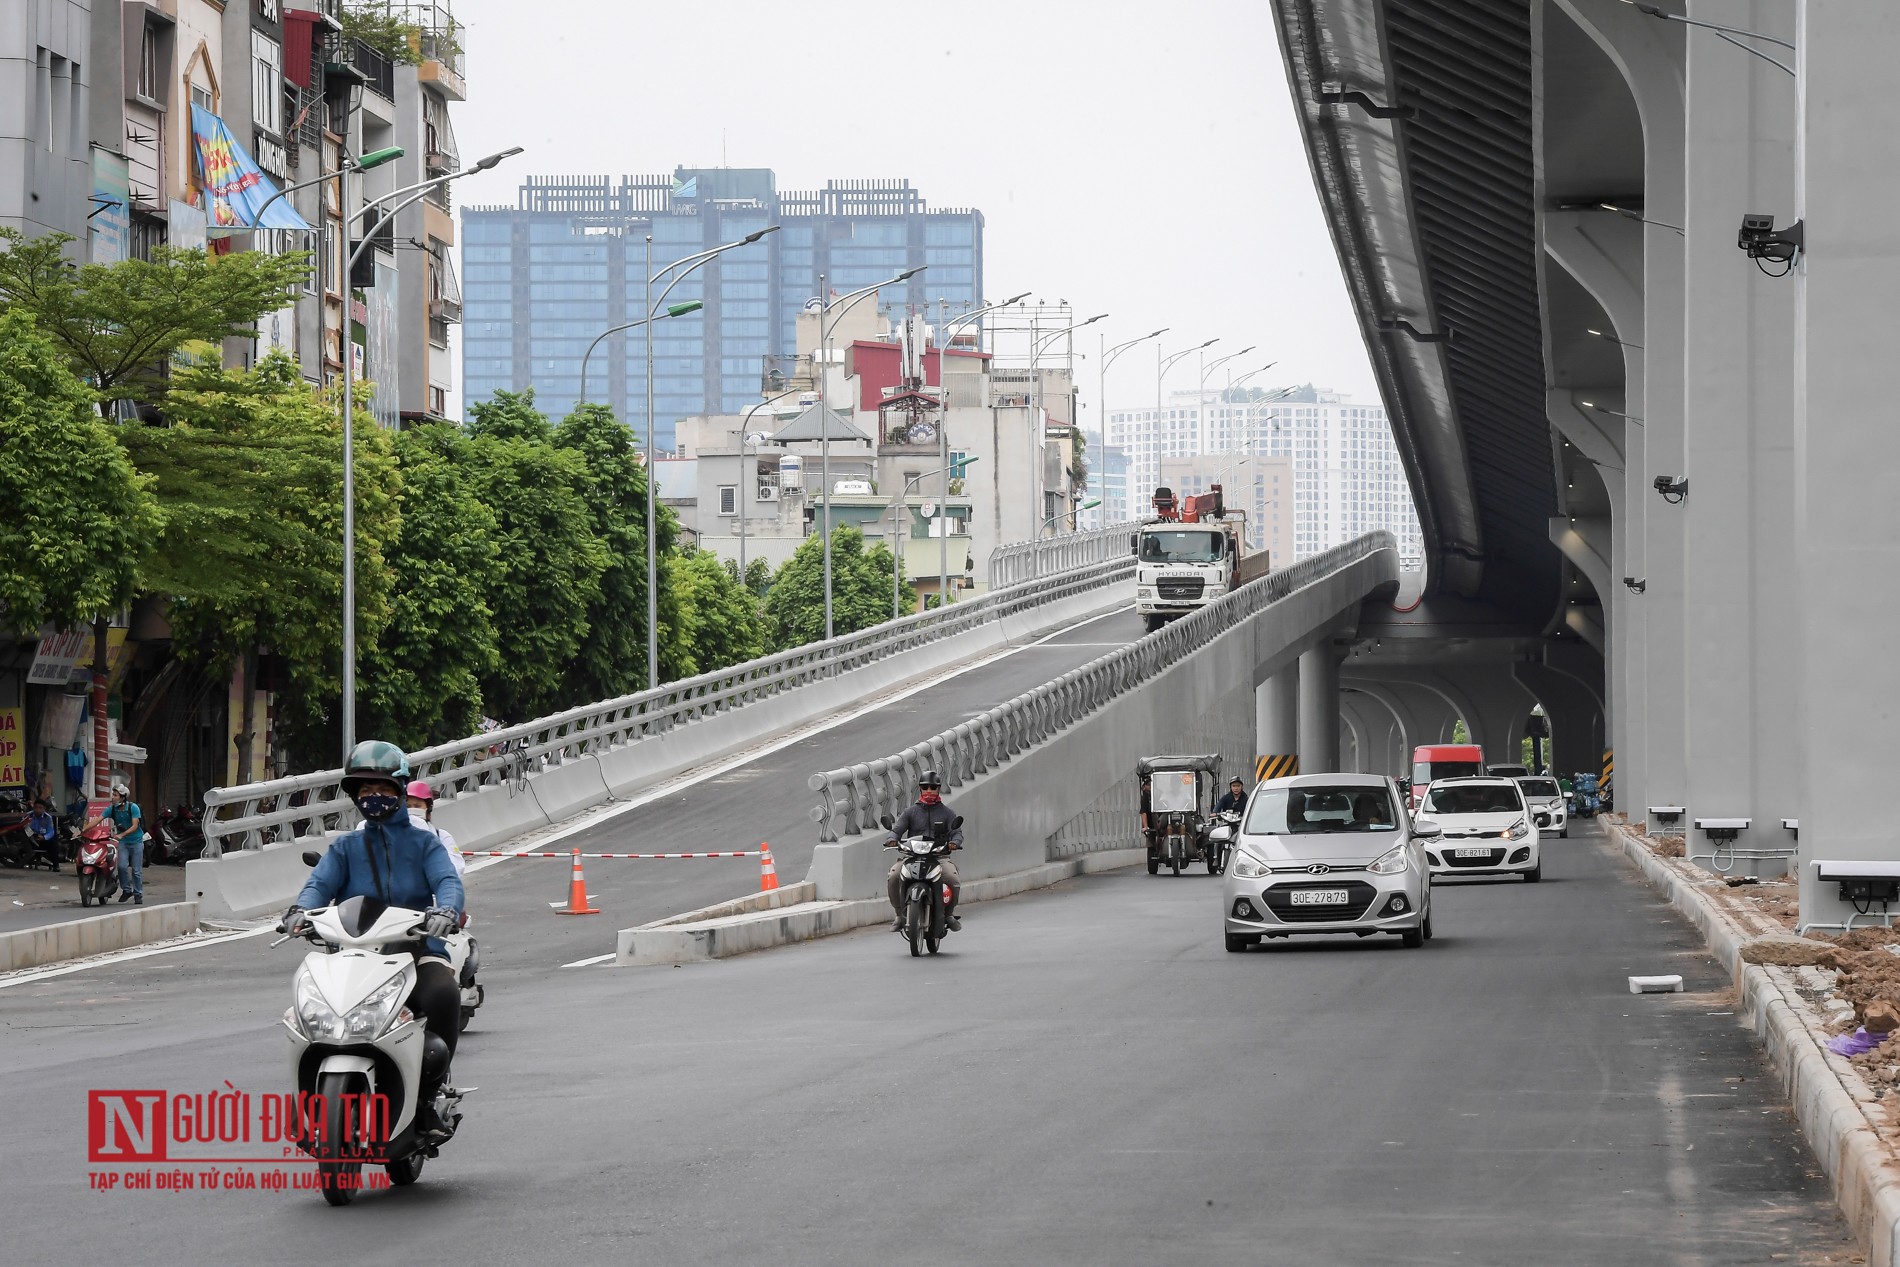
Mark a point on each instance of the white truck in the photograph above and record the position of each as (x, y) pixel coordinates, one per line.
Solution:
(1192, 553)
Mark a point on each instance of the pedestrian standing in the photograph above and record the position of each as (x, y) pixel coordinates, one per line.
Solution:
(128, 827)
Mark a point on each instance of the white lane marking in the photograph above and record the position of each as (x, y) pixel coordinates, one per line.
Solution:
(588, 963)
(645, 798)
(30, 975)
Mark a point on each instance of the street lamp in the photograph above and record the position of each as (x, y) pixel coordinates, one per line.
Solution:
(752, 441)
(1106, 357)
(943, 431)
(1087, 505)
(673, 310)
(825, 323)
(898, 501)
(375, 158)
(1162, 365)
(686, 266)
(415, 193)
(1036, 436)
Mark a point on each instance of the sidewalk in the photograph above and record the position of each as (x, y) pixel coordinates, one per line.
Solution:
(30, 899)
(1796, 993)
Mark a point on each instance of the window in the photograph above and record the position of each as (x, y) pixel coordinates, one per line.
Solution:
(201, 97)
(267, 82)
(728, 499)
(151, 77)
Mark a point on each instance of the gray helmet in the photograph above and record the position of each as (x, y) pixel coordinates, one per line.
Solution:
(374, 760)
(929, 779)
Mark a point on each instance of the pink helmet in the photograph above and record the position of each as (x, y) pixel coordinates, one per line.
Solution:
(421, 791)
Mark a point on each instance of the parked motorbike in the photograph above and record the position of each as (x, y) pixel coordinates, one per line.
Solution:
(358, 1054)
(19, 847)
(97, 865)
(176, 837)
(926, 896)
(1220, 840)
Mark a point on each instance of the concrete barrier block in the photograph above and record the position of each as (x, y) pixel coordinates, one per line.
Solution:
(89, 933)
(94, 935)
(738, 935)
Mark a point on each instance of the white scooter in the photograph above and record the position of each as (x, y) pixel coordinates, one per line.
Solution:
(358, 1054)
(465, 957)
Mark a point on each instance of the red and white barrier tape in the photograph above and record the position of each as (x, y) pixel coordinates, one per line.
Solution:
(504, 853)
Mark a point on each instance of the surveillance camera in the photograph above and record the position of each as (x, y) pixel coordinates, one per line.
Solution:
(1635, 586)
(1761, 242)
(1673, 490)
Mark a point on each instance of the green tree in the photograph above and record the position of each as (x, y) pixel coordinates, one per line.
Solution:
(860, 590)
(249, 472)
(421, 685)
(719, 623)
(118, 325)
(613, 656)
(549, 558)
(78, 518)
(758, 575)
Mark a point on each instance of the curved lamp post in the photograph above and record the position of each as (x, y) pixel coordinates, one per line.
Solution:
(943, 431)
(897, 537)
(673, 310)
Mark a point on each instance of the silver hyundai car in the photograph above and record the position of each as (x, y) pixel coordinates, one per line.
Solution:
(1326, 853)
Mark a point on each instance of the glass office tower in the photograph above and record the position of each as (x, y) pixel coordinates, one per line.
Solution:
(542, 279)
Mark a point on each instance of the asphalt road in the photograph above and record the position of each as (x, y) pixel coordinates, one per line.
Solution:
(1085, 1076)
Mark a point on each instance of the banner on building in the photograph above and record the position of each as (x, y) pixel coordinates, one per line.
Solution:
(109, 224)
(12, 747)
(67, 656)
(236, 189)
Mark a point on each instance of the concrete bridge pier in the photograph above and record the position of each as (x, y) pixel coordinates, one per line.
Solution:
(1319, 707)
(1277, 713)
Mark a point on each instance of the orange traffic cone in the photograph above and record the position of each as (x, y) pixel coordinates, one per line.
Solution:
(768, 874)
(577, 893)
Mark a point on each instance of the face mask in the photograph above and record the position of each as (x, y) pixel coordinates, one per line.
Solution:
(929, 796)
(379, 807)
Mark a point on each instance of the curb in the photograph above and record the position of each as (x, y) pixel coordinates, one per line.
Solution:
(685, 939)
(75, 939)
(1832, 1111)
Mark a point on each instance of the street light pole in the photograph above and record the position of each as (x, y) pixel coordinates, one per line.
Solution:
(943, 430)
(1037, 439)
(415, 192)
(686, 266)
(825, 323)
(897, 579)
(1161, 369)
(673, 310)
(1108, 356)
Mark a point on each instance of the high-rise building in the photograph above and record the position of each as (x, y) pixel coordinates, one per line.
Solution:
(45, 165)
(547, 276)
(1347, 475)
(1260, 487)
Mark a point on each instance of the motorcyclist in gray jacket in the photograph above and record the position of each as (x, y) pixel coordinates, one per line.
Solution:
(920, 820)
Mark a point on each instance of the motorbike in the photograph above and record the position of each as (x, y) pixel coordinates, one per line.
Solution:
(358, 1054)
(176, 837)
(1181, 811)
(926, 896)
(19, 847)
(97, 865)
(465, 957)
(1220, 840)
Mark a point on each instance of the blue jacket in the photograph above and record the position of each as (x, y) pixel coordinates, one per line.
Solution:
(394, 860)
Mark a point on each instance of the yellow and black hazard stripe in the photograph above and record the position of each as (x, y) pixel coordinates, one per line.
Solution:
(1609, 769)
(1276, 765)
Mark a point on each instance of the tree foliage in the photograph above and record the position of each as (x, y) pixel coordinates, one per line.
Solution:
(860, 590)
(719, 622)
(119, 324)
(248, 469)
(78, 519)
(422, 683)
(550, 560)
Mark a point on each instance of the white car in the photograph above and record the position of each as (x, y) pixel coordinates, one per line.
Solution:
(1479, 826)
(1543, 795)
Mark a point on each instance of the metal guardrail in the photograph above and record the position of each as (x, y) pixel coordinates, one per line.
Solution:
(306, 804)
(1028, 560)
(851, 800)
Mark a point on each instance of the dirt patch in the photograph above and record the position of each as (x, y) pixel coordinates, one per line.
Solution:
(1791, 952)
(1868, 961)
(1772, 899)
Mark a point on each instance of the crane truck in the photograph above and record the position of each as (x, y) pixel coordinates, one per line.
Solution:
(1193, 551)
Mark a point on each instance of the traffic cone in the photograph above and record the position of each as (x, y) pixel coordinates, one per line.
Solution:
(768, 874)
(577, 893)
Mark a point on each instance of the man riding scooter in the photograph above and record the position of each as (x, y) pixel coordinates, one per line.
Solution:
(392, 859)
(919, 820)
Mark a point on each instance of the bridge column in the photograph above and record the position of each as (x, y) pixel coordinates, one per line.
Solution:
(1319, 708)
(1847, 452)
(1740, 621)
(1277, 713)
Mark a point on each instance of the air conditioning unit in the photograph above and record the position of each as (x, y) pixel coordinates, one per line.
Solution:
(768, 492)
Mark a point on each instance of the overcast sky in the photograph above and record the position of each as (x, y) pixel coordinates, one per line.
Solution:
(1131, 158)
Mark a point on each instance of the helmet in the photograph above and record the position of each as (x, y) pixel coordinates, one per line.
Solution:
(929, 779)
(420, 790)
(374, 759)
